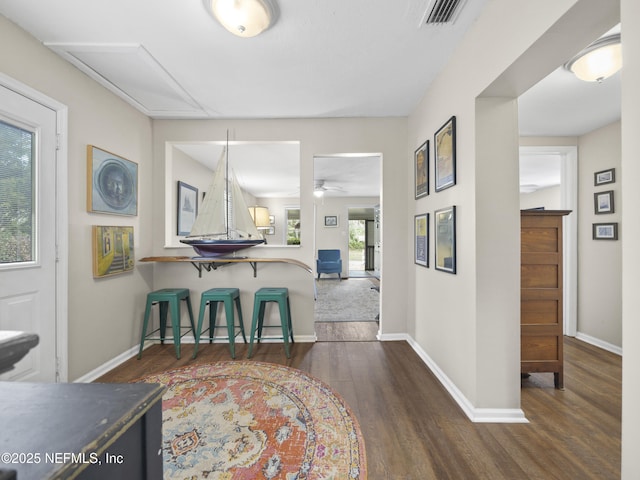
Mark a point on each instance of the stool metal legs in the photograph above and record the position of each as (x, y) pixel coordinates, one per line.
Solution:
(168, 300)
(228, 296)
(262, 297)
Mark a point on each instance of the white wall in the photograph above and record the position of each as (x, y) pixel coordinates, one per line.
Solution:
(549, 198)
(630, 15)
(599, 261)
(385, 136)
(104, 315)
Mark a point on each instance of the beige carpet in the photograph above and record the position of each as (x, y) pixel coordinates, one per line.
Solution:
(349, 300)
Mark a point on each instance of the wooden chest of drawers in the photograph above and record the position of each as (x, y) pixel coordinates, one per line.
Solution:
(541, 291)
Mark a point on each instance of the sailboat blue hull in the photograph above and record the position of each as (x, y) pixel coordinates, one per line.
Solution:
(219, 248)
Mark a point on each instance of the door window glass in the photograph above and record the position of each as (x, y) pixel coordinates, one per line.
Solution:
(17, 179)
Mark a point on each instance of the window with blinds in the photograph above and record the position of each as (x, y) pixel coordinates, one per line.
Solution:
(17, 181)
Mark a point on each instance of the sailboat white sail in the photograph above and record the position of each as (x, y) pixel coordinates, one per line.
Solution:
(224, 224)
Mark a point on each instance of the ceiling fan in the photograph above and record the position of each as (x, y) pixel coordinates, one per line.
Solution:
(320, 187)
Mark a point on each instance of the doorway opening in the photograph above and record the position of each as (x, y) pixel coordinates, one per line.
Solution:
(364, 235)
(347, 192)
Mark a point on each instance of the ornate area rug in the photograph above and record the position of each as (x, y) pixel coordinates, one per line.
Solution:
(349, 300)
(252, 420)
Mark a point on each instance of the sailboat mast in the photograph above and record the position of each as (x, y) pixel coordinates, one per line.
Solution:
(227, 203)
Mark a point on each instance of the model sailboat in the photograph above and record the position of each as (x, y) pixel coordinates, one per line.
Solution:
(224, 224)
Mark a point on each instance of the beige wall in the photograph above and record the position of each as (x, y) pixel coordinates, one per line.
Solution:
(330, 237)
(599, 262)
(443, 311)
(277, 207)
(385, 136)
(468, 323)
(104, 315)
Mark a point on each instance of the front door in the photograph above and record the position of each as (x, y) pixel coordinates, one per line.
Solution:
(28, 230)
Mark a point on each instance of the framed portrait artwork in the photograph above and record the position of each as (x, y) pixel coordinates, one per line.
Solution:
(605, 176)
(444, 145)
(603, 202)
(421, 167)
(112, 250)
(187, 207)
(605, 231)
(421, 240)
(112, 183)
(445, 236)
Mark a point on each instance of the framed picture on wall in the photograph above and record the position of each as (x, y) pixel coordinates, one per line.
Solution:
(187, 207)
(421, 169)
(605, 176)
(112, 183)
(330, 220)
(445, 236)
(605, 231)
(444, 145)
(421, 240)
(603, 202)
(112, 250)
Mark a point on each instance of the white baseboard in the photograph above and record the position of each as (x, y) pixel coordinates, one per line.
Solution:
(476, 415)
(110, 365)
(599, 343)
(133, 351)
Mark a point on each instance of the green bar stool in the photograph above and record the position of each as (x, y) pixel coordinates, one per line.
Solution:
(262, 297)
(227, 296)
(168, 300)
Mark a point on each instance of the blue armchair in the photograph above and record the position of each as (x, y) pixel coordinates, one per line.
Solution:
(329, 261)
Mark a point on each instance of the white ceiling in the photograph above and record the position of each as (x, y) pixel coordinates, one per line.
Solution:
(329, 58)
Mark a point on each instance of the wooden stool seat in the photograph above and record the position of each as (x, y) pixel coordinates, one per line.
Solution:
(228, 296)
(261, 298)
(169, 300)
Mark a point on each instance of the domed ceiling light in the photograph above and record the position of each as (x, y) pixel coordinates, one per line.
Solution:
(598, 61)
(244, 18)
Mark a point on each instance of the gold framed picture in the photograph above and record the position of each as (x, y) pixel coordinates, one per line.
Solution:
(113, 251)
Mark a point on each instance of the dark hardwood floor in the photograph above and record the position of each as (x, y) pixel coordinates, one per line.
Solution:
(346, 331)
(414, 430)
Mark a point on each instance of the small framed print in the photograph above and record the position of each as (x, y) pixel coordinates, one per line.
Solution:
(605, 231)
(444, 146)
(331, 221)
(421, 240)
(112, 249)
(187, 207)
(603, 202)
(605, 176)
(445, 235)
(270, 231)
(421, 166)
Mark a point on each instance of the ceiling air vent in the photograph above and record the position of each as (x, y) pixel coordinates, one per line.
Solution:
(443, 11)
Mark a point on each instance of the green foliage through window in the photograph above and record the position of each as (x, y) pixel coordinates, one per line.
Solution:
(16, 194)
